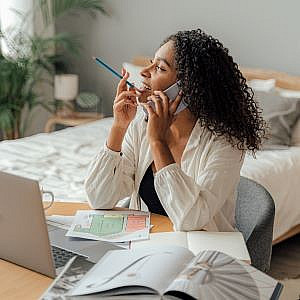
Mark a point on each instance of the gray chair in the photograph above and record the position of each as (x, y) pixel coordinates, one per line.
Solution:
(254, 217)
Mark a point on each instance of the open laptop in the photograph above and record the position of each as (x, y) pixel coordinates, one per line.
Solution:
(24, 236)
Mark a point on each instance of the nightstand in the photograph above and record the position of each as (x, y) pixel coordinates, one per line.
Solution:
(77, 118)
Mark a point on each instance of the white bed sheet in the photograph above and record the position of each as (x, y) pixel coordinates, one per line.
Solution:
(59, 161)
(279, 172)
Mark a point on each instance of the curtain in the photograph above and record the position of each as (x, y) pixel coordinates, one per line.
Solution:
(10, 20)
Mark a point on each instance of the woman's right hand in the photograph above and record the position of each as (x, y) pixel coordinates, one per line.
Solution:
(125, 105)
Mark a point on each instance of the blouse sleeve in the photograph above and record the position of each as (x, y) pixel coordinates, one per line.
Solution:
(190, 202)
(111, 174)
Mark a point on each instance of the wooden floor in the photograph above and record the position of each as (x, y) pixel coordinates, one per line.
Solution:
(285, 267)
(285, 263)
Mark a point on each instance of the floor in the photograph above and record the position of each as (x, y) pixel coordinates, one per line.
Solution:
(285, 267)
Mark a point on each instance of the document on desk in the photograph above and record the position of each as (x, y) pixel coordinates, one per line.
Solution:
(110, 226)
(209, 275)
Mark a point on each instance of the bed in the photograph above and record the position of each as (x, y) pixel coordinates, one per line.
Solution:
(59, 161)
(279, 170)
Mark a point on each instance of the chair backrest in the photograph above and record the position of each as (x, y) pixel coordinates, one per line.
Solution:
(254, 217)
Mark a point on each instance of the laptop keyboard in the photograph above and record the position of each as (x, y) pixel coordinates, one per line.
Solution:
(61, 256)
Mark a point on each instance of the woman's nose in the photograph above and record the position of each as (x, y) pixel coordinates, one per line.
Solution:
(146, 72)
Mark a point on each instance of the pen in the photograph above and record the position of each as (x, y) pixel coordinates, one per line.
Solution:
(103, 64)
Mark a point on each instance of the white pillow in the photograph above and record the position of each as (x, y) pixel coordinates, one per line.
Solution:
(288, 93)
(279, 109)
(261, 85)
(295, 138)
(134, 72)
(281, 114)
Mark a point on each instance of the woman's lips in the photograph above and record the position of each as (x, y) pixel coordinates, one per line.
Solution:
(146, 86)
(143, 91)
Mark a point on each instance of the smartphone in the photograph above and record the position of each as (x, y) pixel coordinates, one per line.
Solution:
(172, 92)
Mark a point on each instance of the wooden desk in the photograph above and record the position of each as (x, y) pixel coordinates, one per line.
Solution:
(20, 283)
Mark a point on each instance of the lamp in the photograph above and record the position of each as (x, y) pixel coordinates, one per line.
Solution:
(66, 90)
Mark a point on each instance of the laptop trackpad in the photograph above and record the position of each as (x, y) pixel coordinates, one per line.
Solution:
(92, 249)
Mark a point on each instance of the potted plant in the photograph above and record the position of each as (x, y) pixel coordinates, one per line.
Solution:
(34, 59)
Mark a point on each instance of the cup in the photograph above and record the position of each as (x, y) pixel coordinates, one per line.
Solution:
(51, 196)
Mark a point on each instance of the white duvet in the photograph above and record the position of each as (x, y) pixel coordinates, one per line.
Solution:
(59, 162)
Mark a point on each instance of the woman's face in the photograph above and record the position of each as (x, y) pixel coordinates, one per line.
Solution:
(161, 72)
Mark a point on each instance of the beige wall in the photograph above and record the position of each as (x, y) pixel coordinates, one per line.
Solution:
(39, 114)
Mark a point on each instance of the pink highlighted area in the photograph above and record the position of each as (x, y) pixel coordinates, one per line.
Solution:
(135, 223)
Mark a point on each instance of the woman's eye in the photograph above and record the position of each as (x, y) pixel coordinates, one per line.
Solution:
(156, 66)
(159, 68)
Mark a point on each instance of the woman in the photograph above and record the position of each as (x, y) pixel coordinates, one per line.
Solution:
(186, 166)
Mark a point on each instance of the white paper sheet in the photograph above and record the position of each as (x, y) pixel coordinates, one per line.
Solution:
(60, 221)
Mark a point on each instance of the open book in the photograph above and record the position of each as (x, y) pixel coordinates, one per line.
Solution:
(175, 272)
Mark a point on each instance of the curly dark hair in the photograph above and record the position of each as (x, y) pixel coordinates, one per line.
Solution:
(216, 91)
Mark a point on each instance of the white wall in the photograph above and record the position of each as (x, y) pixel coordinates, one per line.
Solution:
(263, 34)
(9, 19)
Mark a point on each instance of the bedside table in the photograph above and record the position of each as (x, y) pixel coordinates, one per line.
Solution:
(77, 118)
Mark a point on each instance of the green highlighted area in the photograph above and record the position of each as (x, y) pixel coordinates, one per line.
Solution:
(103, 225)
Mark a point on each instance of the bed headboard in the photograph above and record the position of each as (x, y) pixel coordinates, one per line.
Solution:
(283, 80)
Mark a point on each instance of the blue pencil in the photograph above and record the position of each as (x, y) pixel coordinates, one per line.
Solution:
(103, 64)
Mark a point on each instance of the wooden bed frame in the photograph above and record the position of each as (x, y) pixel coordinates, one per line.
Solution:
(282, 80)
(293, 231)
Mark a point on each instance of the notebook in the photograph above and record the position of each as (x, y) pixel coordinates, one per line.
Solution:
(231, 243)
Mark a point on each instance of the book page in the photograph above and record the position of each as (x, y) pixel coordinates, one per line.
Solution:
(230, 243)
(265, 284)
(214, 275)
(153, 268)
(178, 238)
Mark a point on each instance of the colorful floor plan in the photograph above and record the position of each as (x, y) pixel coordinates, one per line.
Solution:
(103, 225)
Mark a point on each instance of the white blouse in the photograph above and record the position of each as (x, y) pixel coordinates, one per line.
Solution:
(200, 193)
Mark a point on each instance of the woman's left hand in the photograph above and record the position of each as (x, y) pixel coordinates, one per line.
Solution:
(160, 119)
